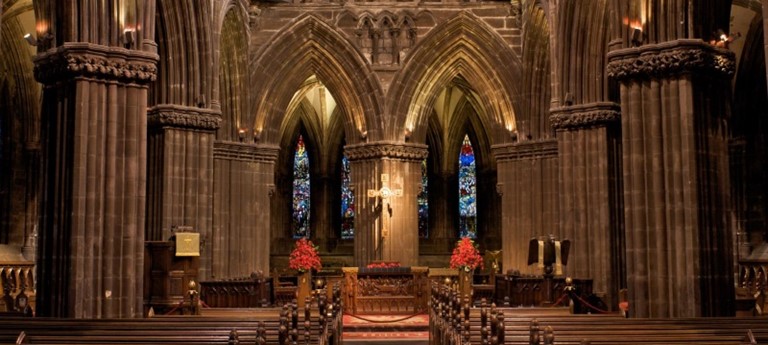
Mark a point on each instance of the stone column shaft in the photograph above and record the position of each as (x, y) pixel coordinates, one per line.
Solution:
(180, 190)
(590, 194)
(94, 136)
(674, 102)
(386, 229)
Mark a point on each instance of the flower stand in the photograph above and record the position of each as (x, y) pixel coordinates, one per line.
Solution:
(465, 283)
(304, 288)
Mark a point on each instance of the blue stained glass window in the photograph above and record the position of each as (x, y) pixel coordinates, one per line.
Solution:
(347, 202)
(423, 200)
(467, 191)
(300, 190)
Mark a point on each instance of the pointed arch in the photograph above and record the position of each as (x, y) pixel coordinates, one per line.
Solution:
(305, 49)
(186, 66)
(463, 46)
(231, 91)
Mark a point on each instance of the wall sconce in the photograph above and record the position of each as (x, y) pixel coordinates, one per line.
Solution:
(407, 134)
(241, 134)
(513, 136)
(129, 37)
(31, 40)
(722, 40)
(637, 37)
(256, 135)
(364, 135)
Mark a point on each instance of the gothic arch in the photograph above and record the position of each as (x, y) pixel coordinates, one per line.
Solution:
(186, 65)
(463, 46)
(533, 117)
(310, 46)
(232, 75)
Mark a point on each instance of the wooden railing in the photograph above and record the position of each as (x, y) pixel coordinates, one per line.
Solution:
(17, 280)
(251, 292)
(753, 277)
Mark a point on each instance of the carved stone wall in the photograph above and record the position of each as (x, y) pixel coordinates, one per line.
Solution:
(528, 185)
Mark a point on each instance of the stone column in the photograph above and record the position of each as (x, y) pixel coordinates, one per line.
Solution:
(386, 228)
(590, 194)
(93, 211)
(243, 190)
(180, 174)
(528, 185)
(675, 97)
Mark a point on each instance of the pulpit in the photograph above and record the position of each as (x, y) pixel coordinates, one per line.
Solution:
(169, 267)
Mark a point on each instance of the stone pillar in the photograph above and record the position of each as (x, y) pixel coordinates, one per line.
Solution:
(243, 190)
(675, 97)
(180, 174)
(590, 194)
(93, 211)
(528, 185)
(386, 228)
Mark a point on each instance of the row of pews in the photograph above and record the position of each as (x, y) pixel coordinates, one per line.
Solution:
(454, 322)
(320, 323)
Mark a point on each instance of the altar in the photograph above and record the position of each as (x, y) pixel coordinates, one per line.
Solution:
(395, 290)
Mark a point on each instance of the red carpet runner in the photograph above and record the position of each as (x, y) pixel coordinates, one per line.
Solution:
(386, 329)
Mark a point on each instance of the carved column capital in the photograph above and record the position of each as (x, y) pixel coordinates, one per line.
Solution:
(584, 116)
(178, 116)
(669, 59)
(87, 60)
(387, 149)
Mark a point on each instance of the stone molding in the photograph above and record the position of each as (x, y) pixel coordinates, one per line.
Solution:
(387, 149)
(178, 116)
(584, 116)
(670, 59)
(234, 151)
(88, 60)
(525, 150)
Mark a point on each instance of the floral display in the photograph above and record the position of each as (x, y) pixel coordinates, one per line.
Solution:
(304, 256)
(384, 264)
(466, 256)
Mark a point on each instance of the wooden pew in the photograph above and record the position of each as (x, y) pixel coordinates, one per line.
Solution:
(264, 326)
(453, 322)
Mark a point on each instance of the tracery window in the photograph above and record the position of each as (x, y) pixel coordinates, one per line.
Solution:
(423, 200)
(347, 202)
(467, 190)
(301, 190)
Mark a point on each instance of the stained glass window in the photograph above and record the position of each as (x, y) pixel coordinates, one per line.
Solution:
(300, 190)
(467, 190)
(347, 202)
(423, 200)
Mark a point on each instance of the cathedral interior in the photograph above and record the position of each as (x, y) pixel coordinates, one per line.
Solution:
(385, 131)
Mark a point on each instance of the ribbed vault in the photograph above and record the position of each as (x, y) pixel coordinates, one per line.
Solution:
(308, 47)
(464, 46)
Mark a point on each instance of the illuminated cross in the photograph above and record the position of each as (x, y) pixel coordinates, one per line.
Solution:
(385, 193)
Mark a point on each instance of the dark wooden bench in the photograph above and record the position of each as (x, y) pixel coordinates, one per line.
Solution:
(455, 323)
(253, 326)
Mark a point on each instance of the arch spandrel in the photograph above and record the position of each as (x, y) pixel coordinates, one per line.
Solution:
(307, 47)
(463, 47)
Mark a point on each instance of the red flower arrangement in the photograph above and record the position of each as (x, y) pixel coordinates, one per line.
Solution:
(304, 256)
(384, 264)
(466, 256)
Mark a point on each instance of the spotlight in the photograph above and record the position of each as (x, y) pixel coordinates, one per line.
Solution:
(31, 40)
(637, 37)
(129, 36)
